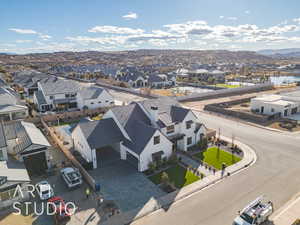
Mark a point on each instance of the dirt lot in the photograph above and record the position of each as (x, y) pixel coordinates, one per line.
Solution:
(199, 105)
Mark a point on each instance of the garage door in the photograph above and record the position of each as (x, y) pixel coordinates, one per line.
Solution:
(36, 164)
(132, 160)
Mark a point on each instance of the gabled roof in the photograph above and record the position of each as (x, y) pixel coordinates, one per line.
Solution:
(91, 92)
(54, 85)
(28, 136)
(137, 125)
(169, 111)
(140, 135)
(40, 98)
(101, 133)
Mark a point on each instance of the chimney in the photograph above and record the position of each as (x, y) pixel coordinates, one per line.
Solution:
(154, 113)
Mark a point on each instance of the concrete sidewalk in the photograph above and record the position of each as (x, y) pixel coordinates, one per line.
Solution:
(288, 213)
(165, 201)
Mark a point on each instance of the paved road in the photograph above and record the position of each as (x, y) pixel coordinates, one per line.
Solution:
(276, 174)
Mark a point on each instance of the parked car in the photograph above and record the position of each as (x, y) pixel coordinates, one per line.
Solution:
(62, 212)
(71, 176)
(44, 190)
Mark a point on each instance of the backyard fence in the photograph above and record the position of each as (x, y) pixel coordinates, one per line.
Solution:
(88, 178)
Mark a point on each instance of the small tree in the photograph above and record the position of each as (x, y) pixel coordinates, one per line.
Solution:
(164, 179)
(152, 166)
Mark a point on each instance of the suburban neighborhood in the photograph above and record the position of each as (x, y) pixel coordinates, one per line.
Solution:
(148, 113)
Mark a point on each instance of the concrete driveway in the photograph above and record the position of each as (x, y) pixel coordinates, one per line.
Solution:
(122, 183)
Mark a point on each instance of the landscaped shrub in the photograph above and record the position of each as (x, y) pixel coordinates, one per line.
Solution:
(152, 166)
(173, 159)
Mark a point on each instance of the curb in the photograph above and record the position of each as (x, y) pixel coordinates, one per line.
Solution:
(248, 160)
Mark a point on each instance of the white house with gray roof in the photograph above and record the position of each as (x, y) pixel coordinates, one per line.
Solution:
(10, 107)
(55, 94)
(141, 132)
(94, 97)
(26, 143)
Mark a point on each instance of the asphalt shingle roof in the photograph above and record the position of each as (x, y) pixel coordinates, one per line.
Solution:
(101, 133)
(53, 85)
(91, 92)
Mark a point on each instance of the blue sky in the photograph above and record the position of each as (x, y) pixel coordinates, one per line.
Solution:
(79, 25)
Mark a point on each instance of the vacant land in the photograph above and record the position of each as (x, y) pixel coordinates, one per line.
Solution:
(177, 174)
(276, 125)
(216, 158)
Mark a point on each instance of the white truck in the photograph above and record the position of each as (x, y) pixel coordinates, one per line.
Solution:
(71, 176)
(255, 213)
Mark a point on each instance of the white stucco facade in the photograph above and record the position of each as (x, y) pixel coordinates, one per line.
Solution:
(103, 100)
(274, 104)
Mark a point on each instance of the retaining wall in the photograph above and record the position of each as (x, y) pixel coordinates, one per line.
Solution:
(225, 92)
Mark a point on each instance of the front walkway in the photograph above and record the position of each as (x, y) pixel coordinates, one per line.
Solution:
(195, 164)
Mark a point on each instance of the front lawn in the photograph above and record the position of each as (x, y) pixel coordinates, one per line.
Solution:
(177, 174)
(228, 85)
(210, 156)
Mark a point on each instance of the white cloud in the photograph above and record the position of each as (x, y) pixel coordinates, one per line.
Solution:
(114, 40)
(228, 18)
(23, 31)
(247, 12)
(23, 41)
(44, 36)
(297, 20)
(115, 30)
(130, 16)
(28, 31)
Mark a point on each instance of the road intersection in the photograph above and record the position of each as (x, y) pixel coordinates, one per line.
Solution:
(275, 174)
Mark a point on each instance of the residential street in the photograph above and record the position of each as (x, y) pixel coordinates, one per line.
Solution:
(275, 174)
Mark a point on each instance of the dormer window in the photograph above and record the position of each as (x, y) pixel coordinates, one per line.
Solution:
(170, 129)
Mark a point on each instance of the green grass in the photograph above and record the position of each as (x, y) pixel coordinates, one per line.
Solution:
(210, 156)
(177, 174)
(227, 85)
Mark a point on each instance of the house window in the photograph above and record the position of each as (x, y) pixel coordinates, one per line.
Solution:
(99, 102)
(92, 103)
(156, 140)
(189, 124)
(51, 97)
(1, 155)
(189, 141)
(170, 129)
(272, 110)
(106, 101)
(67, 95)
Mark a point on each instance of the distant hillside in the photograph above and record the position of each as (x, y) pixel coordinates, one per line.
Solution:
(281, 53)
(140, 57)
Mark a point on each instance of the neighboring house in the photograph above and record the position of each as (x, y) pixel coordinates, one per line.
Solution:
(56, 94)
(26, 143)
(135, 79)
(275, 104)
(141, 132)
(10, 107)
(28, 81)
(159, 81)
(13, 176)
(94, 97)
